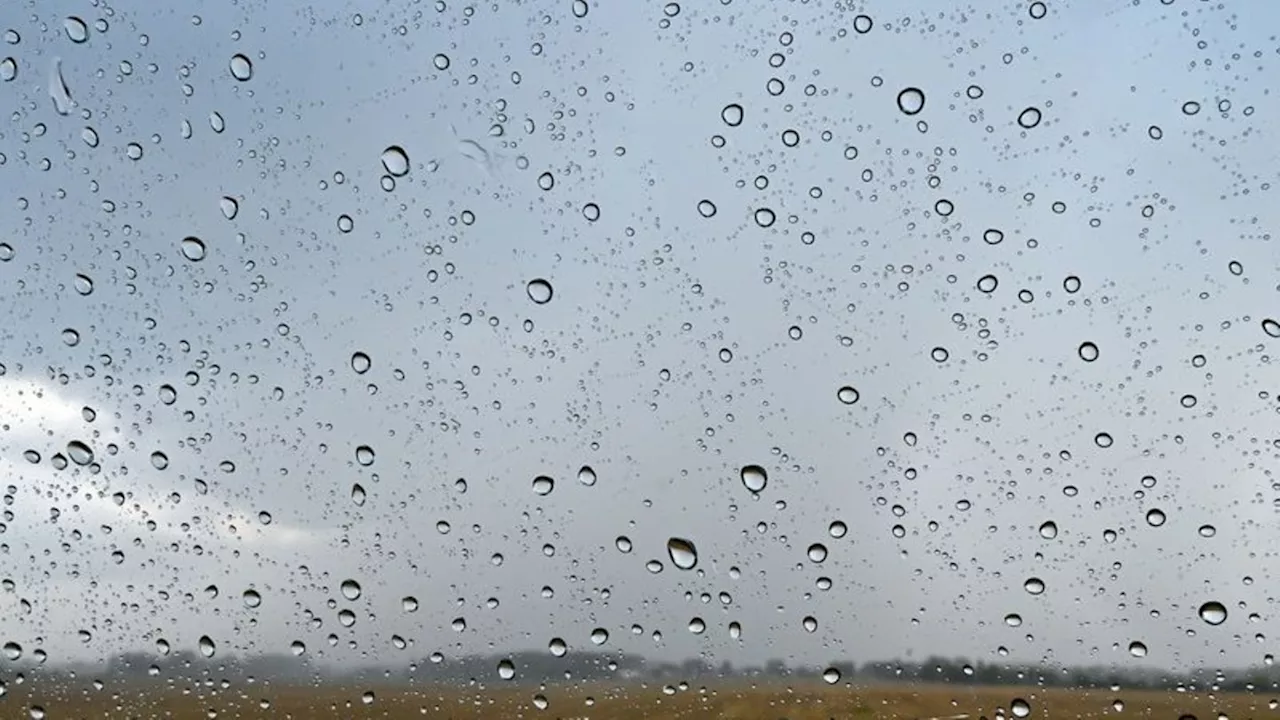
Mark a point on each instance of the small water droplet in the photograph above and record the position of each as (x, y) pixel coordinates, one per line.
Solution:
(1034, 585)
(1029, 118)
(831, 676)
(193, 249)
(579, 8)
(1103, 440)
(765, 217)
(683, 553)
(12, 651)
(1213, 612)
(539, 290)
(706, 208)
(241, 67)
(1207, 531)
(345, 224)
(357, 494)
(1020, 708)
(1137, 649)
(159, 460)
(754, 478)
(1271, 327)
(591, 212)
(1155, 517)
(911, 101)
(70, 337)
(1013, 620)
(8, 69)
(623, 543)
(939, 354)
(409, 604)
(837, 529)
(360, 362)
(847, 395)
(1071, 284)
(207, 647)
(1087, 351)
(599, 636)
(89, 136)
(251, 598)
(817, 552)
(586, 475)
(297, 647)
(396, 161)
(558, 647)
(697, 626)
(441, 61)
(1048, 530)
(988, 283)
(546, 181)
(810, 623)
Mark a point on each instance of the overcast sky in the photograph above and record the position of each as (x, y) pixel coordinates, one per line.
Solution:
(843, 243)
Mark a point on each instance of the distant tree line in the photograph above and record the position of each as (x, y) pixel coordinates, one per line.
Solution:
(539, 666)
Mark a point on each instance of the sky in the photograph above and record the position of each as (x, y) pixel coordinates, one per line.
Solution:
(1050, 293)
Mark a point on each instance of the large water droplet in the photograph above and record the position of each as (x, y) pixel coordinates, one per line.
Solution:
(364, 455)
(1087, 351)
(350, 589)
(12, 650)
(539, 291)
(159, 460)
(697, 626)
(506, 669)
(732, 115)
(831, 676)
(765, 217)
(1271, 327)
(409, 604)
(683, 554)
(229, 207)
(1137, 649)
(817, 552)
(1029, 118)
(396, 161)
(988, 283)
(837, 529)
(79, 453)
(586, 475)
(1034, 585)
(441, 61)
(89, 136)
(599, 636)
(1013, 620)
(207, 647)
(241, 67)
(847, 395)
(754, 478)
(1213, 612)
(360, 362)
(75, 29)
(59, 93)
(558, 647)
(83, 284)
(8, 69)
(1020, 708)
(193, 249)
(543, 485)
(251, 598)
(1048, 530)
(357, 494)
(1155, 517)
(911, 100)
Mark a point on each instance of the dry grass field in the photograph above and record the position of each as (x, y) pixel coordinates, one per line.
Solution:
(800, 701)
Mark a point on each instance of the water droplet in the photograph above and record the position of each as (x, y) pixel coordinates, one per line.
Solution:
(1213, 612)
(1190, 107)
(543, 485)
(754, 478)
(732, 114)
(350, 589)
(59, 93)
(697, 626)
(76, 30)
(591, 212)
(159, 460)
(623, 543)
(230, 208)
(1020, 708)
(364, 455)
(360, 362)
(79, 453)
(683, 554)
(241, 67)
(817, 552)
(1037, 10)
(992, 236)
(837, 529)
(558, 647)
(168, 395)
(1029, 118)
(1088, 351)
(395, 161)
(297, 647)
(216, 123)
(345, 224)
(346, 618)
(441, 61)
(765, 217)
(540, 701)
(706, 208)
(1155, 517)
(539, 291)
(546, 181)
(12, 650)
(579, 8)
(862, 24)
(1013, 620)
(810, 623)
(251, 598)
(70, 337)
(409, 604)
(1033, 585)
(939, 354)
(911, 101)
(1103, 440)
(133, 150)
(8, 69)
(599, 636)
(1137, 649)
(586, 475)
(1271, 327)
(193, 249)
(1207, 531)
(1071, 284)
(89, 136)
(83, 284)
(988, 283)
(1048, 530)
(207, 648)
(735, 630)
(847, 395)
(831, 676)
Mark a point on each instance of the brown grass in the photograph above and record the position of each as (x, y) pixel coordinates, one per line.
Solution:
(726, 700)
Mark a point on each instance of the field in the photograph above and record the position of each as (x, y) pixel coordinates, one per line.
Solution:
(730, 701)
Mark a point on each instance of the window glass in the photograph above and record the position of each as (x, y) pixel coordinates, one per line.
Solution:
(638, 359)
